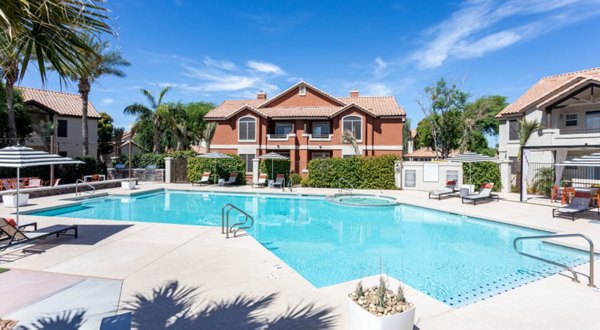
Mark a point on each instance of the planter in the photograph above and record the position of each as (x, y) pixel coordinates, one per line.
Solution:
(128, 185)
(361, 319)
(10, 200)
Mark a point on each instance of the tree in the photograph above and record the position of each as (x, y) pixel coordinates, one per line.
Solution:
(105, 134)
(52, 30)
(46, 132)
(22, 119)
(479, 119)
(98, 62)
(526, 130)
(10, 61)
(443, 110)
(406, 134)
(117, 138)
(154, 114)
(209, 133)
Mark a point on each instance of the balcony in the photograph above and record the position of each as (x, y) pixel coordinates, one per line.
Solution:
(566, 131)
(318, 137)
(280, 137)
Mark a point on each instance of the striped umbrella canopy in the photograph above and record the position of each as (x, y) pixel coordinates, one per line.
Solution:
(18, 156)
(272, 156)
(591, 160)
(471, 157)
(215, 156)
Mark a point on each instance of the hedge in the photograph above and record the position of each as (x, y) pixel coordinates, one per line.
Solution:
(144, 159)
(482, 172)
(279, 166)
(224, 166)
(360, 172)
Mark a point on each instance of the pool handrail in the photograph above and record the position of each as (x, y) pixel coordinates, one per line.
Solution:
(340, 189)
(225, 228)
(575, 279)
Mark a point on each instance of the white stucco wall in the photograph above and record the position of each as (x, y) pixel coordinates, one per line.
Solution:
(72, 143)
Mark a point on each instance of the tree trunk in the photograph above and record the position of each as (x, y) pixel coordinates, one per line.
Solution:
(157, 135)
(11, 74)
(84, 90)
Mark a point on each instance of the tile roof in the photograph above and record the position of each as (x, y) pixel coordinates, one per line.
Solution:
(64, 104)
(376, 105)
(548, 87)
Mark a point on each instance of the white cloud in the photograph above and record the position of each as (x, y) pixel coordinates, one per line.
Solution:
(265, 67)
(380, 66)
(377, 89)
(483, 26)
(107, 101)
(219, 64)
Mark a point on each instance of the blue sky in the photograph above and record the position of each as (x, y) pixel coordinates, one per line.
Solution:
(216, 50)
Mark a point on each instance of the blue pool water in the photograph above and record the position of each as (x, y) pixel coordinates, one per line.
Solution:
(453, 258)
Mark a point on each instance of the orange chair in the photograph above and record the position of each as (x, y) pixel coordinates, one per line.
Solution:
(567, 194)
(554, 194)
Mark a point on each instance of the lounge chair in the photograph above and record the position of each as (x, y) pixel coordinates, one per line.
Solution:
(579, 204)
(204, 179)
(279, 181)
(17, 236)
(22, 225)
(484, 193)
(34, 183)
(232, 179)
(448, 190)
(261, 182)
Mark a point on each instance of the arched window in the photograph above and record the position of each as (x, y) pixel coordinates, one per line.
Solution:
(247, 129)
(354, 125)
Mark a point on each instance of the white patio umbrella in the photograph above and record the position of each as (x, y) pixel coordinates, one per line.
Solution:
(18, 156)
(215, 156)
(471, 157)
(273, 156)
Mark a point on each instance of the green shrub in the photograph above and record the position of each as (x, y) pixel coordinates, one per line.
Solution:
(295, 178)
(544, 181)
(280, 166)
(358, 172)
(224, 166)
(482, 172)
(145, 159)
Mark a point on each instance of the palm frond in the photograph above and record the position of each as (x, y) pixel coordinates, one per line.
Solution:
(348, 137)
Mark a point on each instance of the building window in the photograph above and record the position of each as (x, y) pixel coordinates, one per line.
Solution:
(571, 120)
(247, 129)
(592, 120)
(61, 131)
(283, 128)
(247, 158)
(354, 125)
(320, 154)
(513, 130)
(321, 129)
(302, 90)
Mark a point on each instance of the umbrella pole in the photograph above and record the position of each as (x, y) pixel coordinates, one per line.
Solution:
(18, 185)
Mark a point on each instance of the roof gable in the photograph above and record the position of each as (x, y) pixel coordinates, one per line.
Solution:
(63, 104)
(291, 97)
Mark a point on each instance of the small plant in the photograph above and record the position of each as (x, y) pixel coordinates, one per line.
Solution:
(400, 294)
(359, 291)
(295, 178)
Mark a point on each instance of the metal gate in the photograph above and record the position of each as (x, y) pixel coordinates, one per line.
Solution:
(179, 171)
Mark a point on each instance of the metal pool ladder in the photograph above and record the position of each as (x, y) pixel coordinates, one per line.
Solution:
(348, 190)
(77, 192)
(575, 279)
(226, 228)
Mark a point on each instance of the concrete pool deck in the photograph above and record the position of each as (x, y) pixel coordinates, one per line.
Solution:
(195, 273)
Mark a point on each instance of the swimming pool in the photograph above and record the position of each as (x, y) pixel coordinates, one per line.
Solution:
(453, 258)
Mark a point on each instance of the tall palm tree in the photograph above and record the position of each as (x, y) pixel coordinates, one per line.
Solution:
(104, 63)
(156, 113)
(10, 61)
(52, 30)
(209, 133)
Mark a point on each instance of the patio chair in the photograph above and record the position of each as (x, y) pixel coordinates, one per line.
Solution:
(151, 172)
(261, 182)
(554, 194)
(204, 179)
(232, 179)
(17, 236)
(34, 183)
(5, 184)
(567, 194)
(448, 190)
(484, 193)
(22, 225)
(579, 204)
(279, 181)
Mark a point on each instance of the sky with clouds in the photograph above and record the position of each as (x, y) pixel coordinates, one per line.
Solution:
(216, 50)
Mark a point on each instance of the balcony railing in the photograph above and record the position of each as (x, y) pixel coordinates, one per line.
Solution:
(318, 137)
(579, 130)
(279, 137)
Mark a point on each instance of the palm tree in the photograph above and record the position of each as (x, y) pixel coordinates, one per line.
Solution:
(104, 63)
(348, 137)
(526, 130)
(52, 31)
(156, 113)
(209, 133)
(10, 61)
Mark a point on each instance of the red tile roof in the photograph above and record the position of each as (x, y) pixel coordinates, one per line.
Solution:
(548, 87)
(376, 105)
(64, 104)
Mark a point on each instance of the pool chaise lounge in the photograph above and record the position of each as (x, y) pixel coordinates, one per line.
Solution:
(448, 190)
(484, 194)
(262, 181)
(279, 181)
(17, 236)
(22, 225)
(232, 179)
(577, 205)
(203, 180)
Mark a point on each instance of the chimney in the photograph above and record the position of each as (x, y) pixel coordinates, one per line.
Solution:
(261, 95)
(354, 93)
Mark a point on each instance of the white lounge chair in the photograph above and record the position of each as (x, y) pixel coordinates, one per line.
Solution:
(232, 179)
(448, 190)
(578, 204)
(261, 182)
(34, 183)
(484, 193)
(279, 181)
(204, 179)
